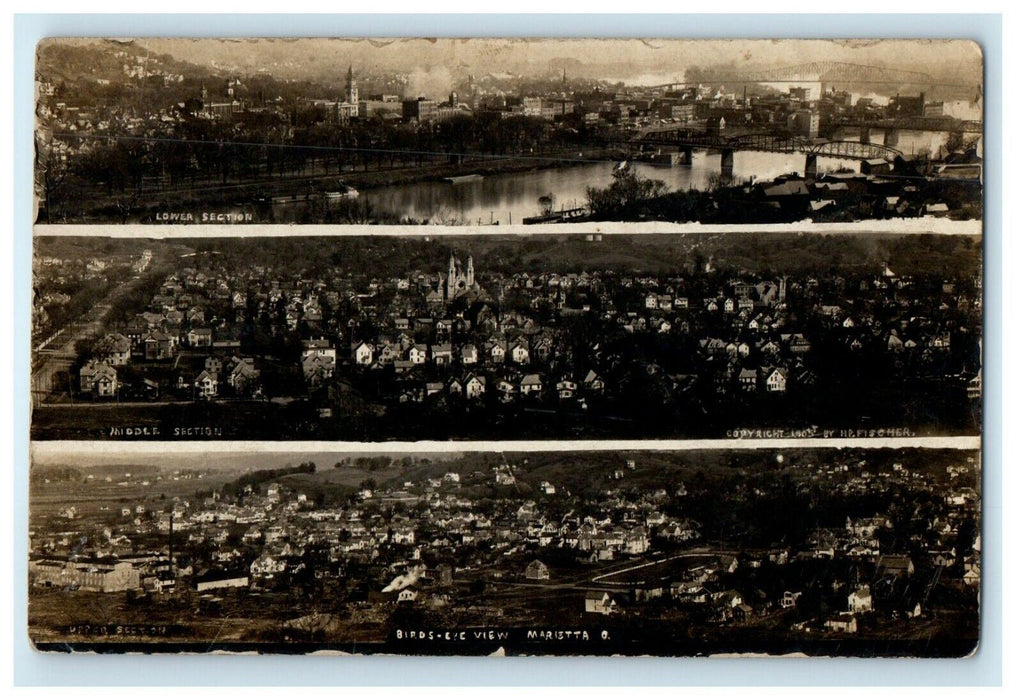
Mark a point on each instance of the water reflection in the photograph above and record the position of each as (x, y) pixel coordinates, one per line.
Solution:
(510, 197)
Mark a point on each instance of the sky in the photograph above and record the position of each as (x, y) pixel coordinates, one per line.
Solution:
(634, 60)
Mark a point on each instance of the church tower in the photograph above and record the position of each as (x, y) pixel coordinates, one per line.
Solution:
(452, 285)
(351, 88)
(782, 290)
(470, 274)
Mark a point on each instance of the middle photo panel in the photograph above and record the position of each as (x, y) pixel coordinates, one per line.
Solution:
(506, 337)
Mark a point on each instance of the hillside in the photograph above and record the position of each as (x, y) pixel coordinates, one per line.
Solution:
(656, 254)
(71, 61)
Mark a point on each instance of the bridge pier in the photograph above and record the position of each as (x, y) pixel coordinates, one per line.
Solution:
(810, 168)
(865, 134)
(685, 156)
(891, 138)
(727, 161)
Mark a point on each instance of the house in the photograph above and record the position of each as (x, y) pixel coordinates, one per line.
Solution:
(600, 603)
(506, 391)
(157, 346)
(860, 600)
(792, 195)
(748, 379)
(455, 387)
(496, 352)
(469, 355)
(537, 571)
(319, 347)
(593, 382)
(776, 380)
(267, 566)
(796, 342)
(636, 542)
(530, 384)
(86, 575)
(317, 368)
(874, 166)
(214, 580)
(417, 354)
(213, 364)
(206, 385)
(387, 353)
(474, 386)
(441, 354)
(973, 389)
(519, 353)
(200, 337)
(113, 349)
(244, 376)
(363, 354)
(895, 565)
(98, 379)
(408, 595)
(404, 535)
(543, 347)
(843, 622)
(729, 598)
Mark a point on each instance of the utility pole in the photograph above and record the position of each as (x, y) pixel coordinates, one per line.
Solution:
(170, 546)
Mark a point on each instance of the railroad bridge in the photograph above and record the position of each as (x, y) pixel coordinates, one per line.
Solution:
(687, 140)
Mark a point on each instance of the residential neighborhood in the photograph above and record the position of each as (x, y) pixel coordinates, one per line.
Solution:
(686, 549)
(466, 343)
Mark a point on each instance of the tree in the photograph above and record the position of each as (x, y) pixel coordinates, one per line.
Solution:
(625, 196)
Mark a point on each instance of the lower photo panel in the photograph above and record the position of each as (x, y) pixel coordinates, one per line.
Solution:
(794, 551)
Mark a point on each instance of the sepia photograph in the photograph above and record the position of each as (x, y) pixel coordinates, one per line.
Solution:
(806, 552)
(596, 347)
(506, 131)
(502, 337)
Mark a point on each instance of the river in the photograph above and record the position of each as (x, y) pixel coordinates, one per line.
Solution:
(510, 197)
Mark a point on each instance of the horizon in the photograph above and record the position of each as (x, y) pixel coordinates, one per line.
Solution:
(437, 63)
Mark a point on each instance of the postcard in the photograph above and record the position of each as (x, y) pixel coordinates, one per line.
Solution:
(603, 347)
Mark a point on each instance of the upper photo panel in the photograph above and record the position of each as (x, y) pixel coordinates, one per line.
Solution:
(506, 131)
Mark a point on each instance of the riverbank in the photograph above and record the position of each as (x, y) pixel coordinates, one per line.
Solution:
(188, 205)
(485, 166)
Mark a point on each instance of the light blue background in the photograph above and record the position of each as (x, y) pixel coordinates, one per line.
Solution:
(984, 668)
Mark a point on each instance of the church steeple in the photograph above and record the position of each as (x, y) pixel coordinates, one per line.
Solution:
(351, 88)
(460, 279)
(452, 278)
